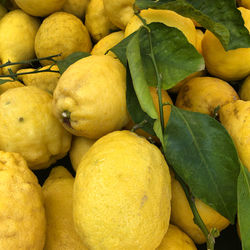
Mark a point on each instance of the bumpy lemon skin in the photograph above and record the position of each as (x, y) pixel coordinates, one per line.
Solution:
(80, 146)
(227, 65)
(205, 94)
(40, 8)
(122, 194)
(76, 7)
(175, 239)
(58, 199)
(17, 36)
(90, 97)
(97, 21)
(182, 216)
(106, 43)
(23, 221)
(28, 127)
(235, 117)
(119, 12)
(61, 33)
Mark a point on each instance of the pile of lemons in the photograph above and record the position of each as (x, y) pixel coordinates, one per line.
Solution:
(123, 196)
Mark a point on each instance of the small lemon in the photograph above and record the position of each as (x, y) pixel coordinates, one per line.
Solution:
(119, 12)
(182, 216)
(44, 80)
(9, 85)
(23, 221)
(58, 199)
(80, 146)
(40, 8)
(107, 43)
(96, 20)
(227, 65)
(244, 91)
(17, 36)
(90, 97)
(235, 117)
(27, 126)
(76, 7)
(204, 94)
(175, 239)
(61, 33)
(122, 194)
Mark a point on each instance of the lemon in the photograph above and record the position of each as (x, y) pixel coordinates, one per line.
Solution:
(235, 117)
(90, 97)
(244, 91)
(167, 17)
(28, 127)
(119, 12)
(61, 33)
(9, 85)
(40, 8)
(227, 65)
(80, 146)
(44, 80)
(182, 216)
(17, 36)
(205, 94)
(58, 199)
(22, 212)
(244, 3)
(199, 37)
(76, 7)
(106, 43)
(96, 20)
(175, 239)
(122, 194)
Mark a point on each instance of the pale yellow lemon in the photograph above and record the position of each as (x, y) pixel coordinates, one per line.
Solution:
(76, 7)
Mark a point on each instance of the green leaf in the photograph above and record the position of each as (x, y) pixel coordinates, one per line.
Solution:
(65, 63)
(220, 17)
(135, 110)
(2, 81)
(244, 206)
(138, 75)
(203, 154)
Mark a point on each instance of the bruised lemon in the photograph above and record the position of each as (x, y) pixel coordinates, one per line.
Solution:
(122, 194)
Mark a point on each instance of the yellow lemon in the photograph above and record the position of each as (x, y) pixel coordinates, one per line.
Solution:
(9, 85)
(204, 94)
(227, 65)
(76, 7)
(119, 12)
(40, 8)
(106, 43)
(235, 117)
(27, 126)
(22, 212)
(96, 20)
(90, 97)
(199, 37)
(61, 33)
(175, 239)
(182, 216)
(44, 80)
(122, 194)
(17, 36)
(58, 199)
(244, 91)
(80, 146)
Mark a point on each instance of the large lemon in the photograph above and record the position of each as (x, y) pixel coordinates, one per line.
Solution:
(122, 194)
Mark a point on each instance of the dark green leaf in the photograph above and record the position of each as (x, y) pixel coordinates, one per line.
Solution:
(120, 49)
(175, 57)
(220, 17)
(134, 108)
(202, 153)
(65, 63)
(244, 206)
